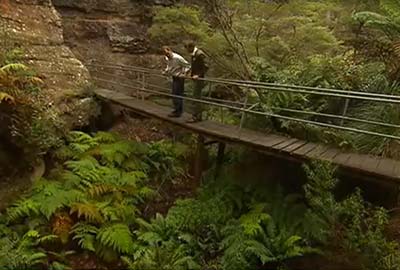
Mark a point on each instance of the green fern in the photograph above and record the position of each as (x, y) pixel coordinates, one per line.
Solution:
(90, 211)
(23, 208)
(14, 67)
(21, 253)
(85, 234)
(167, 257)
(47, 198)
(253, 220)
(392, 8)
(156, 231)
(106, 137)
(116, 153)
(116, 236)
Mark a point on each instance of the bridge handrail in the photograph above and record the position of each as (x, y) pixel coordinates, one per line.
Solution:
(347, 118)
(384, 135)
(368, 96)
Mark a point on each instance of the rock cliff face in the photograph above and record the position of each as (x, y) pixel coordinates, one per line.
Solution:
(36, 27)
(113, 32)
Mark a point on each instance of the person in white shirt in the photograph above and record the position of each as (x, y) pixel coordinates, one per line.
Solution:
(177, 67)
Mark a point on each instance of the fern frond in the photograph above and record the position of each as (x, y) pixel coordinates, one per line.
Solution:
(79, 137)
(6, 98)
(23, 208)
(89, 210)
(87, 169)
(52, 196)
(253, 220)
(35, 80)
(106, 137)
(132, 178)
(14, 67)
(51, 238)
(116, 236)
(255, 248)
(64, 153)
(134, 164)
(98, 190)
(391, 7)
(86, 235)
(116, 153)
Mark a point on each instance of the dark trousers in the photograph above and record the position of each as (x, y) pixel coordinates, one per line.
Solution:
(197, 106)
(178, 88)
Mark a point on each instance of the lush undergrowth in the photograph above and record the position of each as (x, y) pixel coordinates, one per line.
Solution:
(91, 205)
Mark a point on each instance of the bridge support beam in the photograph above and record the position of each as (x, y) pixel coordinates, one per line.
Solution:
(199, 157)
(220, 159)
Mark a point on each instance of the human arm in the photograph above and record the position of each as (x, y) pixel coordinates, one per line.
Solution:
(168, 68)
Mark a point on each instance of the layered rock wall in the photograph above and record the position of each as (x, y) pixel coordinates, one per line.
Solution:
(112, 32)
(35, 27)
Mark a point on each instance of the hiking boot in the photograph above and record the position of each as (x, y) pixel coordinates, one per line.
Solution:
(174, 115)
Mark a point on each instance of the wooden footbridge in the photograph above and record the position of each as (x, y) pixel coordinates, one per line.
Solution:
(374, 167)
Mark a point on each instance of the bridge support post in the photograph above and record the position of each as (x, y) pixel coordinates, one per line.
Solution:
(198, 160)
(220, 159)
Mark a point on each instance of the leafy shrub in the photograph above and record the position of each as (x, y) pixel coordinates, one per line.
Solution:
(352, 224)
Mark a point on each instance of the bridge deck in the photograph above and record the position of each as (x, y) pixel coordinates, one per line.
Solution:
(271, 143)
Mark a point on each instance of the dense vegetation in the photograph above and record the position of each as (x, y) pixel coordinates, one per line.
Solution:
(349, 45)
(92, 203)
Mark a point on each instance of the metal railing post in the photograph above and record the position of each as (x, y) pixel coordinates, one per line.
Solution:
(209, 95)
(243, 118)
(143, 84)
(346, 107)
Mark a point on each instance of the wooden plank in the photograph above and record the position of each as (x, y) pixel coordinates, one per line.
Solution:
(284, 144)
(370, 163)
(397, 169)
(305, 149)
(290, 148)
(330, 154)
(386, 167)
(317, 151)
(271, 141)
(355, 161)
(341, 158)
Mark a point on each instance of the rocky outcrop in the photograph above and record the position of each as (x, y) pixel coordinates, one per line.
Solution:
(35, 27)
(111, 32)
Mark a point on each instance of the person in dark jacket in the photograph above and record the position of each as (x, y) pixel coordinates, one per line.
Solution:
(197, 71)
